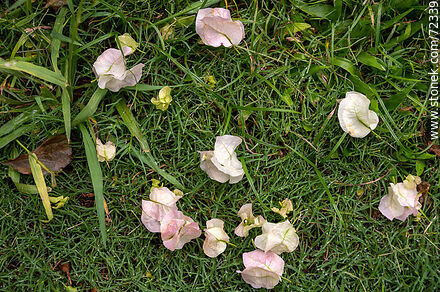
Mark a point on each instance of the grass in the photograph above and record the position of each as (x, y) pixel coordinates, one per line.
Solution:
(278, 95)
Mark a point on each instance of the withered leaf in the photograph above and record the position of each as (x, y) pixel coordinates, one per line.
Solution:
(55, 4)
(55, 153)
(435, 149)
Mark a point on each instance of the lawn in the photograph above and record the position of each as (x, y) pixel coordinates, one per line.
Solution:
(278, 90)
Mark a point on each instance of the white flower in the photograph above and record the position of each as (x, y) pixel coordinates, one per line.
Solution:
(248, 222)
(402, 199)
(278, 238)
(216, 27)
(262, 269)
(222, 163)
(354, 115)
(216, 238)
(105, 152)
(286, 208)
(110, 70)
(162, 201)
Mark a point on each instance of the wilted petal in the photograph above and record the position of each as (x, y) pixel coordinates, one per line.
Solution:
(402, 199)
(164, 99)
(127, 41)
(164, 196)
(110, 70)
(215, 27)
(177, 229)
(286, 208)
(131, 78)
(111, 62)
(354, 115)
(222, 163)
(248, 221)
(225, 158)
(212, 171)
(105, 152)
(262, 269)
(162, 201)
(151, 215)
(278, 238)
(216, 238)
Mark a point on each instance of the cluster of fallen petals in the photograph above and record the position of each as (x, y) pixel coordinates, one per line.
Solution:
(402, 199)
(160, 214)
(264, 267)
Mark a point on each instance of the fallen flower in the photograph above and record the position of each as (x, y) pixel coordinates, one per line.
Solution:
(277, 237)
(177, 229)
(402, 199)
(286, 208)
(105, 152)
(216, 238)
(162, 201)
(222, 163)
(216, 27)
(262, 269)
(110, 70)
(248, 221)
(164, 99)
(354, 115)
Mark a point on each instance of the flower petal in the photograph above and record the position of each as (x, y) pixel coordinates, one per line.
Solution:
(212, 171)
(354, 116)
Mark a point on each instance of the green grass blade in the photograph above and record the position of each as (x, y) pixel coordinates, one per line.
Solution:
(324, 185)
(65, 105)
(91, 106)
(56, 43)
(96, 175)
(34, 70)
(145, 157)
(15, 122)
(37, 173)
(5, 140)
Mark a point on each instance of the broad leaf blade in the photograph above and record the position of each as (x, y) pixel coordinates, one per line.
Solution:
(91, 106)
(37, 173)
(34, 70)
(96, 175)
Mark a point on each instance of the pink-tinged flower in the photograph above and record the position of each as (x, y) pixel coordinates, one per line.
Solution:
(162, 201)
(248, 222)
(222, 164)
(262, 269)
(402, 199)
(354, 115)
(111, 72)
(216, 27)
(277, 237)
(177, 229)
(216, 238)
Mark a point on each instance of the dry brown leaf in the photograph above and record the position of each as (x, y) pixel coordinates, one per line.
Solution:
(435, 149)
(55, 4)
(55, 153)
